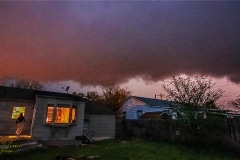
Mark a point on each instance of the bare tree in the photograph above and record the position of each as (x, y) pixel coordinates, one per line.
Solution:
(235, 103)
(25, 84)
(113, 96)
(192, 95)
(82, 95)
(93, 96)
(197, 91)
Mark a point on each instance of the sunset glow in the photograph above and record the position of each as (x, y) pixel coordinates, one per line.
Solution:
(135, 44)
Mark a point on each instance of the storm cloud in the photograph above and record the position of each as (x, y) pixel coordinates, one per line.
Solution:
(95, 43)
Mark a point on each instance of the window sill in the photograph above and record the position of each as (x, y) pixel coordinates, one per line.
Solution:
(61, 125)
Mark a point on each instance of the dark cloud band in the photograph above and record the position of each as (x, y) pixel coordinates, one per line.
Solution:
(100, 42)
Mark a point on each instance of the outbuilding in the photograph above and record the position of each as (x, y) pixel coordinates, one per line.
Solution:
(99, 120)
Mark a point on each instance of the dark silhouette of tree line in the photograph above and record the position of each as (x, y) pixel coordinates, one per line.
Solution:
(199, 91)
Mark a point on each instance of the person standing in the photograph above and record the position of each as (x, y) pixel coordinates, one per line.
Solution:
(20, 124)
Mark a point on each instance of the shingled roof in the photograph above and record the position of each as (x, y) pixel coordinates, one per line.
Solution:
(11, 93)
(153, 101)
(59, 95)
(92, 107)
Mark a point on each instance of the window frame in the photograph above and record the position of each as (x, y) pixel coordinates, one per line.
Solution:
(54, 114)
(61, 109)
(17, 114)
(71, 112)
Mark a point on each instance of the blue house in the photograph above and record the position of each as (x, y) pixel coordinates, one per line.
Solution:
(134, 107)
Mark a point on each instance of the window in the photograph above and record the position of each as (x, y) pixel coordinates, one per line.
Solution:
(17, 111)
(73, 116)
(49, 118)
(61, 114)
(139, 113)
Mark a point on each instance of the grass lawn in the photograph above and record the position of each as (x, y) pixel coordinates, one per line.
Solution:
(128, 150)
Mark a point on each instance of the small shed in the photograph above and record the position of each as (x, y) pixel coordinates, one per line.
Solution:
(100, 120)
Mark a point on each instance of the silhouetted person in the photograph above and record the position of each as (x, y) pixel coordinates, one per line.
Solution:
(20, 124)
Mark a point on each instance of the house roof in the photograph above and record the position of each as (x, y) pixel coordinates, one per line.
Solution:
(92, 107)
(59, 95)
(11, 93)
(153, 101)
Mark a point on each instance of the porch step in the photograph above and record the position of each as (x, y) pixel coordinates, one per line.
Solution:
(25, 146)
(16, 146)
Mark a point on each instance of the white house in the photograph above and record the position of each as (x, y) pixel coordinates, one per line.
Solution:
(134, 107)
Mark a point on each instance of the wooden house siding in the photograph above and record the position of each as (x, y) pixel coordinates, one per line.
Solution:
(132, 102)
(45, 132)
(8, 125)
(102, 125)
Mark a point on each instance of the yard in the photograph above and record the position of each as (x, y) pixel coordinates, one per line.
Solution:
(128, 150)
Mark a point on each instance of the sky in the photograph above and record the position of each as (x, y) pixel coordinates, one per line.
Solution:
(135, 44)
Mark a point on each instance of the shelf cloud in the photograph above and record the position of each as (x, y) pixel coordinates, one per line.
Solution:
(99, 42)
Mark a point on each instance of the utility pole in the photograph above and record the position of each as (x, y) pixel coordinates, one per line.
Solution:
(160, 95)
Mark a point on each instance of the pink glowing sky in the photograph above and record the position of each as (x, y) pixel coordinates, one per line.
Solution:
(135, 44)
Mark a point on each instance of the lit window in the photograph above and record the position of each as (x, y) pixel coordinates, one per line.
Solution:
(17, 111)
(63, 114)
(73, 116)
(49, 118)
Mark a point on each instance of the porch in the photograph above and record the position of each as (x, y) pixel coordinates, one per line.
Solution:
(15, 144)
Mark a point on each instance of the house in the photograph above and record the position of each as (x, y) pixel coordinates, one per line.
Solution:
(51, 118)
(134, 107)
